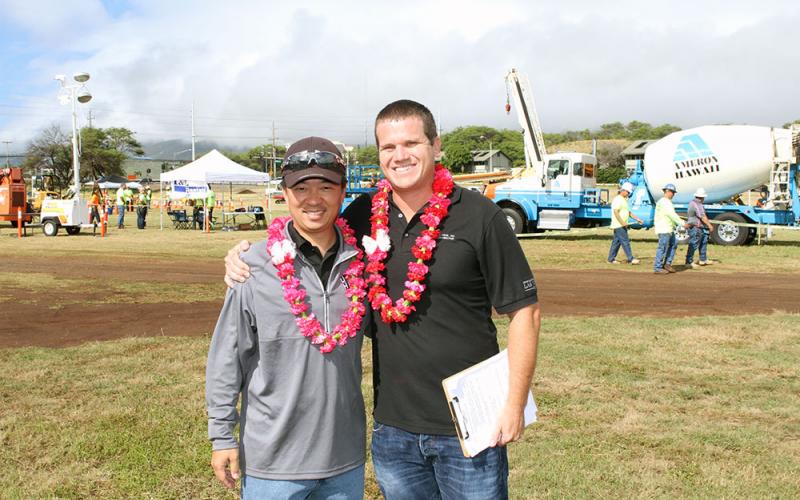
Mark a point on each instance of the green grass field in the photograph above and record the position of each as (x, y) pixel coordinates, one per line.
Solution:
(660, 408)
(629, 407)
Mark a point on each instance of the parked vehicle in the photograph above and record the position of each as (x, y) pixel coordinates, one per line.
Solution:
(13, 199)
(559, 191)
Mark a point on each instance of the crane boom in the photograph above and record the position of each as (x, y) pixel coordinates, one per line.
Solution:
(520, 89)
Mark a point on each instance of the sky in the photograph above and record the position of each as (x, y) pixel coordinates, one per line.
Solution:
(326, 68)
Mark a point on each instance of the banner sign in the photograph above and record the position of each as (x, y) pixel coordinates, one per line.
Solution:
(188, 190)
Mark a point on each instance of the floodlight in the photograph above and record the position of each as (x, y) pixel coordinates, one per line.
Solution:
(84, 96)
(81, 77)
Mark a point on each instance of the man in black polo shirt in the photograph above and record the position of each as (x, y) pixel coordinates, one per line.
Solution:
(477, 264)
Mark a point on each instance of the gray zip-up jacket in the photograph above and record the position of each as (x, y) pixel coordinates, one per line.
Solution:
(302, 412)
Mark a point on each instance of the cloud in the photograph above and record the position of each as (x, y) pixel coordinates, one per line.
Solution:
(54, 24)
(316, 67)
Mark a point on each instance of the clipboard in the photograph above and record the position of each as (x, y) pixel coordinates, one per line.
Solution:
(475, 397)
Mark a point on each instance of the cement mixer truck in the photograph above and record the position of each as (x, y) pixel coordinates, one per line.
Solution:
(725, 160)
(558, 191)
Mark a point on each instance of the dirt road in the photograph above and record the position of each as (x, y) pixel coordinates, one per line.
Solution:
(26, 318)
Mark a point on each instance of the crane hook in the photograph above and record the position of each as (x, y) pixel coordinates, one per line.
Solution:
(508, 100)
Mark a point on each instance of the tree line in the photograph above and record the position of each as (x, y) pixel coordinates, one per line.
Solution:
(103, 151)
(459, 143)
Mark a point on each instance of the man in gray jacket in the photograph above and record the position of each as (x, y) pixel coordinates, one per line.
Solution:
(289, 341)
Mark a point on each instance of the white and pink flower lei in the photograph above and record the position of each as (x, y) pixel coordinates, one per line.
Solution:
(377, 246)
(282, 254)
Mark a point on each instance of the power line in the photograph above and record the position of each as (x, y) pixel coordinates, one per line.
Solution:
(185, 114)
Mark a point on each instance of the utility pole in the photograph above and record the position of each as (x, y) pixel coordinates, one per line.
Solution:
(274, 169)
(89, 118)
(193, 136)
(7, 143)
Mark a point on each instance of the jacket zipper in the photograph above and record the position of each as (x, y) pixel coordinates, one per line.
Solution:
(326, 298)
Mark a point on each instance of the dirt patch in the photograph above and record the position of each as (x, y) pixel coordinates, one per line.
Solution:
(168, 270)
(27, 320)
(685, 293)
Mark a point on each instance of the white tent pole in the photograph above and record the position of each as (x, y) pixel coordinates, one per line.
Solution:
(161, 205)
(269, 202)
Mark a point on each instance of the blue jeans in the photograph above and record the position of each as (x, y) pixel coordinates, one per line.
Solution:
(620, 240)
(141, 216)
(698, 239)
(120, 215)
(667, 243)
(345, 486)
(94, 218)
(413, 466)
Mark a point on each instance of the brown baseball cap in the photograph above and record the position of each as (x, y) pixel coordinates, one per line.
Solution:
(313, 158)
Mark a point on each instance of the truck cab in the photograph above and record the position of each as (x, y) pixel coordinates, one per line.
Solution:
(559, 193)
(568, 171)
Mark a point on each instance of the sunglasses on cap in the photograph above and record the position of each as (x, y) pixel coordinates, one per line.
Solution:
(304, 159)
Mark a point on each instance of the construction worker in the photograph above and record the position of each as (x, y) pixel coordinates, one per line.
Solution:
(763, 199)
(141, 209)
(121, 206)
(666, 220)
(108, 205)
(129, 197)
(148, 194)
(211, 201)
(620, 215)
(699, 229)
(94, 205)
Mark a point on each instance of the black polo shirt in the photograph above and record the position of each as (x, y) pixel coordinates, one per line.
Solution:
(477, 264)
(322, 264)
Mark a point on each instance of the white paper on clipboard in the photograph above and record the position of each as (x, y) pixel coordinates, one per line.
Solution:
(476, 396)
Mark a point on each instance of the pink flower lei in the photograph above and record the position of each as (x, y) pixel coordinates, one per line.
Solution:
(282, 253)
(377, 248)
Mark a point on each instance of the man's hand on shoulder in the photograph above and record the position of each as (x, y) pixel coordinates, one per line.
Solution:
(236, 271)
(226, 466)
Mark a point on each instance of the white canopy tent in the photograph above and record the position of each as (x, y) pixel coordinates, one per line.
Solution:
(214, 168)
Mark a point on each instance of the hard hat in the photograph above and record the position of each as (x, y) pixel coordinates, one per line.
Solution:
(670, 187)
(700, 193)
(627, 186)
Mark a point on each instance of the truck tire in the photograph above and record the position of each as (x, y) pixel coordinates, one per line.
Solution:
(50, 227)
(729, 234)
(515, 220)
(72, 230)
